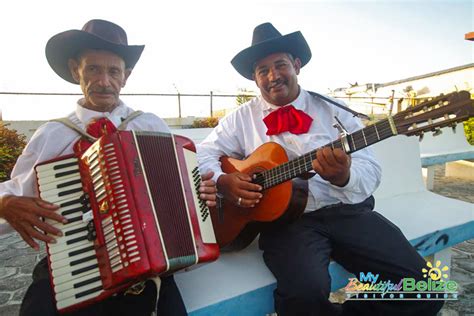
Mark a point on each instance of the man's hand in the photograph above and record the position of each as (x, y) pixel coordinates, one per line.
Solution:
(238, 188)
(207, 190)
(24, 215)
(333, 165)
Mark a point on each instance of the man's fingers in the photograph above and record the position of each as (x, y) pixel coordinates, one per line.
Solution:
(28, 239)
(32, 232)
(341, 157)
(48, 228)
(45, 204)
(51, 215)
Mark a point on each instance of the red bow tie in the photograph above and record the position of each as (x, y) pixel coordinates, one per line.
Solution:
(97, 128)
(287, 118)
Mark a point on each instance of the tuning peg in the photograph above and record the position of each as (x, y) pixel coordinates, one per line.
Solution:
(437, 132)
(420, 136)
(453, 127)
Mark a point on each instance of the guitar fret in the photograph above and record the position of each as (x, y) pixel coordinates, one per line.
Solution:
(363, 134)
(376, 131)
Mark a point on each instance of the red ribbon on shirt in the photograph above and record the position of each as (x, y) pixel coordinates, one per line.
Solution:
(97, 128)
(287, 118)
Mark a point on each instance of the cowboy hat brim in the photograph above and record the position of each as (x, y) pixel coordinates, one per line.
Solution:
(63, 46)
(293, 43)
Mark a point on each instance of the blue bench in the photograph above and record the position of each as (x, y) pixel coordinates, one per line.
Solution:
(448, 147)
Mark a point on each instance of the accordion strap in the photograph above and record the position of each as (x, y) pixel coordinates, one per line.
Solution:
(125, 122)
(66, 121)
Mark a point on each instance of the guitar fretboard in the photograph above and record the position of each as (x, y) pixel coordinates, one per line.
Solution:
(298, 166)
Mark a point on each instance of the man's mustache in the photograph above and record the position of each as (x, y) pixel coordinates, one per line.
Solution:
(277, 82)
(102, 90)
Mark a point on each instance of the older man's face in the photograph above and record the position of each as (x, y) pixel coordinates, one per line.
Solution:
(276, 76)
(101, 75)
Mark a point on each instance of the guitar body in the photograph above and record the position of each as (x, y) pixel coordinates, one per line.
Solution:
(239, 226)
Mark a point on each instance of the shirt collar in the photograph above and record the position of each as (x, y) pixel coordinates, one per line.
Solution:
(298, 103)
(86, 115)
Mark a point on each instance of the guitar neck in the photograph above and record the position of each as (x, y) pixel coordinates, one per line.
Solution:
(351, 143)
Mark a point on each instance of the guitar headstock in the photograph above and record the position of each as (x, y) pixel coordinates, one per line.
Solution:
(432, 115)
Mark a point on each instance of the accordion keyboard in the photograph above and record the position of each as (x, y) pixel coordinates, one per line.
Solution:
(73, 262)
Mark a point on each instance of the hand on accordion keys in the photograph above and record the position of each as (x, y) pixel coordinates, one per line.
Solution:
(24, 215)
(208, 189)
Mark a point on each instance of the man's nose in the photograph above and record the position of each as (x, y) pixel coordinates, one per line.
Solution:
(104, 79)
(273, 74)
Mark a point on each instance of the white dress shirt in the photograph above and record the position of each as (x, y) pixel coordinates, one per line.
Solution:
(54, 139)
(242, 131)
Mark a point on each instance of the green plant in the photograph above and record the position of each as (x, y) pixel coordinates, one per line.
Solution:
(205, 122)
(469, 130)
(11, 146)
(244, 96)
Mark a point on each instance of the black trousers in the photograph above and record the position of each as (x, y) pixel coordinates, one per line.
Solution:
(359, 239)
(39, 301)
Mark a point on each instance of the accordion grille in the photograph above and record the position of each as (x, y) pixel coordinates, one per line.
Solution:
(162, 173)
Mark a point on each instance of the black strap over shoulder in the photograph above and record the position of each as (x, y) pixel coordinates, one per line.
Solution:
(345, 108)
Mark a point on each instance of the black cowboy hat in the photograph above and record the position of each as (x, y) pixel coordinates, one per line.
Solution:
(267, 40)
(96, 34)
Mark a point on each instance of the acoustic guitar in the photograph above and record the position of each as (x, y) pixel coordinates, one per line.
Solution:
(284, 181)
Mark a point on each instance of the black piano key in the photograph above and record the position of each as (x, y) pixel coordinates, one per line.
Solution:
(75, 231)
(63, 193)
(66, 173)
(85, 269)
(65, 165)
(74, 219)
(74, 210)
(85, 282)
(82, 260)
(69, 203)
(93, 290)
(65, 184)
(74, 240)
(78, 252)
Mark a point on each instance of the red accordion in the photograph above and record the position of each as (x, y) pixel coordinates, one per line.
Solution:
(133, 213)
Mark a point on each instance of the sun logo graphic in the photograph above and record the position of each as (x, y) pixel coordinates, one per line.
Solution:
(435, 272)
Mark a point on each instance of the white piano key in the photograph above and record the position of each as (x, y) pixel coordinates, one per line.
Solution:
(72, 292)
(70, 251)
(70, 283)
(55, 163)
(54, 248)
(67, 261)
(72, 300)
(62, 191)
(69, 270)
(58, 172)
(51, 179)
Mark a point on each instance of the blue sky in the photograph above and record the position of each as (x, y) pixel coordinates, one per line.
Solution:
(189, 44)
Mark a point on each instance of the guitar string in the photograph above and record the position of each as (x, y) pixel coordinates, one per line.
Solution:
(295, 167)
(302, 164)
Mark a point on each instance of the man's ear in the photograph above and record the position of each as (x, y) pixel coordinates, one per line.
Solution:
(127, 73)
(297, 65)
(74, 69)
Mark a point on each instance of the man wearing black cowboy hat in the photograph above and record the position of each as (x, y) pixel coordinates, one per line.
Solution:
(338, 221)
(99, 59)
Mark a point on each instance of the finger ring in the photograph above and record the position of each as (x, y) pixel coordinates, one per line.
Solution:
(239, 200)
